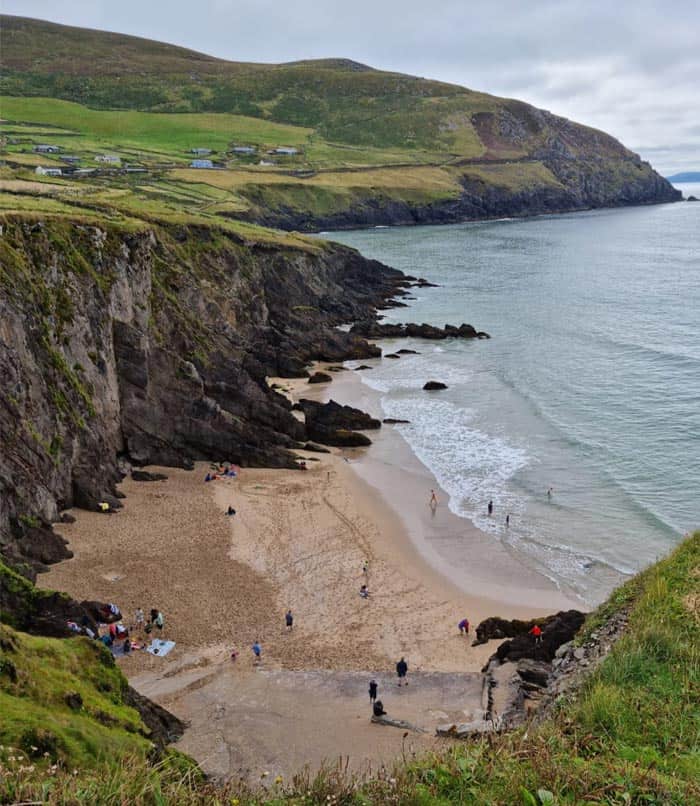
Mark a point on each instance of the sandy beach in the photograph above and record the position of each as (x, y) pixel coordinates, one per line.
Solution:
(300, 540)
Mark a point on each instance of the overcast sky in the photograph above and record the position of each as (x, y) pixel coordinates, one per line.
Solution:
(630, 67)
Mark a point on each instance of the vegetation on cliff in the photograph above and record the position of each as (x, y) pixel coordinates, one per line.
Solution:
(629, 735)
(360, 146)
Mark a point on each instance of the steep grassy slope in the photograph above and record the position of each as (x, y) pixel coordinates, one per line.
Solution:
(631, 735)
(498, 156)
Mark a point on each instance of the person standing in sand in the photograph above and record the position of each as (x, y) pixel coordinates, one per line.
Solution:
(289, 620)
(490, 508)
(402, 671)
(433, 499)
(372, 690)
(257, 650)
(139, 620)
(507, 521)
(464, 626)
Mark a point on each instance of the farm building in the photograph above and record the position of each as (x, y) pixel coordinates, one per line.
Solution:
(48, 171)
(244, 150)
(285, 151)
(70, 159)
(112, 159)
(43, 148)
(201, 164)
(201, 152)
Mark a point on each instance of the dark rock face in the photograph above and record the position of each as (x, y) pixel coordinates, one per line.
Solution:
(154, 346)
(371, 329)
(320, 377)
(333, 424)
(434, 386)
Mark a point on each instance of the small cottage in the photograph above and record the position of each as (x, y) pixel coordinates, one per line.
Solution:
(286, 151)
(48, 171)
(201, 164)
(43, 148)
(244, 150)
(111, 159)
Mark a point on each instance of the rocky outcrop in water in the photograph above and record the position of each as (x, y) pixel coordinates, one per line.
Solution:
(371, 329)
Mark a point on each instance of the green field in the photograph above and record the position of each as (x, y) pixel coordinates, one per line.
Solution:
(366, 139)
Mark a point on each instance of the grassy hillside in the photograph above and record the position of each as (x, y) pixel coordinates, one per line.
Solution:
(630, 736)
(150, 104)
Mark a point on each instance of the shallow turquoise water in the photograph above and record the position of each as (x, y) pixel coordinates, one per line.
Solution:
(590, 384)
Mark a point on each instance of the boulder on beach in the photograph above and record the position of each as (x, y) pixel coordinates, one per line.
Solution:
(333, 424)
(146, 475)
(320, 377)
(392, 355)
(393, 420)
(362, 366)
(406, 351)
(432, 386)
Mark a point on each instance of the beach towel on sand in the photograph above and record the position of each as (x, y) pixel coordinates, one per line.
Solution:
(159, 647)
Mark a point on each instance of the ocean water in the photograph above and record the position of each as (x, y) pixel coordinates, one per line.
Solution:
(589, 385)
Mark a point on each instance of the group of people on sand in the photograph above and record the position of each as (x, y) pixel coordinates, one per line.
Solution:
(112, 631)
(377, 704)
(224, 470)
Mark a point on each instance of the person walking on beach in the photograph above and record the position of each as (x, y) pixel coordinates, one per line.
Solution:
(364, 592)
(490, 508)
(433, 499)
(289, 620)
(139, 620)
(402, 671)
(549, 493)
(257, 650)
(372, 690)
(507, 521)
(536, 633)
(464, 626)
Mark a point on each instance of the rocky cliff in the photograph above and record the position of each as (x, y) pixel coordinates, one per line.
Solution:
(152, 344)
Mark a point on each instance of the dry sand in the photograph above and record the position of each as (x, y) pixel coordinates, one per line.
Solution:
(299, 540)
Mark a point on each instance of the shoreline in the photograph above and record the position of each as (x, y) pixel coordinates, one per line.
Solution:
(469, 560)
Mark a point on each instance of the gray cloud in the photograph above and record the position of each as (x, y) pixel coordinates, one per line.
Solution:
(630, 68)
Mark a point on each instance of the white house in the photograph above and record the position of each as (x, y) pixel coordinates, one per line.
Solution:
(200, 152)
(112, 159)
(244, 150)
(48, 171)
(286, 151)
(201, 164)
